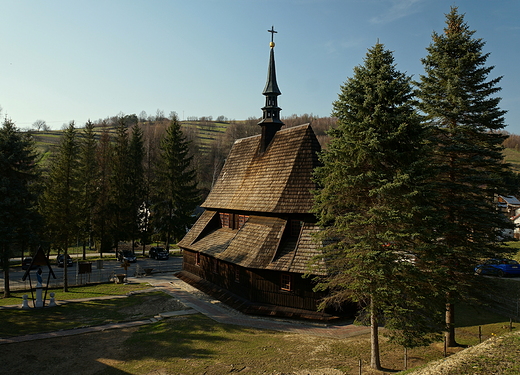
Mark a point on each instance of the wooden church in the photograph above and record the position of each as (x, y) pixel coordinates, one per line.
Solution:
(251, 246)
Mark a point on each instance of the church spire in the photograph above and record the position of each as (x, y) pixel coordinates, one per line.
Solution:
(271, 122)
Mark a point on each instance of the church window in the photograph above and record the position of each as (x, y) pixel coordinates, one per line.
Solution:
(232, 221)
(225, 220)
(286, 282)
(197, 259)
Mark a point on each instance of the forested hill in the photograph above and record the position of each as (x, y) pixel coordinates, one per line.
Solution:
(210, 141)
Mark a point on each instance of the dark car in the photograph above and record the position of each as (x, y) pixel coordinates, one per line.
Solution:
(127, 256)
(159, 253)
(60, 258)
(498, 267)
(26, 263)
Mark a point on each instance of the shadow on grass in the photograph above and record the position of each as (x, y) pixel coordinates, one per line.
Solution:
(189, 338)
(196, 344)
(17, 322)
(471, 315)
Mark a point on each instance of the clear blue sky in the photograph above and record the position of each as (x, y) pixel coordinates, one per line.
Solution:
(75, 60)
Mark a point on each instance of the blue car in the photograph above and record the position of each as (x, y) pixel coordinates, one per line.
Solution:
(498, 267)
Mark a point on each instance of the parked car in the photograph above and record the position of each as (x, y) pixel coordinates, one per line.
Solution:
(128, 256)
(60, 260)
(159, 253)
(499, 267)
(26, 263)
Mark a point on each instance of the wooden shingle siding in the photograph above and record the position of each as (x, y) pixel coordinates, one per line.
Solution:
(197, 228)
(277, 181)
(257, 226)
(214, 242)
(308, 248)
(295, 254)
(255, 244)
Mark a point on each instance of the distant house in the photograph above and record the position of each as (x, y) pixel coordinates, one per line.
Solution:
(510, 206)
(252, 245)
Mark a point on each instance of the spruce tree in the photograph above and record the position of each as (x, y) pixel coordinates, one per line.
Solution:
(176, 195)
(120, 189)
(459, 102)
(367, 203)
(89, 179)
(136, 181)
(17, 200)
(61, 200)
(102, 208)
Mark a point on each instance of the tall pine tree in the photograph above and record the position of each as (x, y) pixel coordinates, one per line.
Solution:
(176, 195)
(17, 200)
(89, 178)
(460, 104)
(120, 189)
(136, 181)
(367, 203)
(61, 199)
(101, 217)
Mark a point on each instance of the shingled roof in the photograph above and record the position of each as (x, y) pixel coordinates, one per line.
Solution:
(258, 244)
(275, 181)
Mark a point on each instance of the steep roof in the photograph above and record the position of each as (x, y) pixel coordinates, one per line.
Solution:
(276, 181)
(258, 244)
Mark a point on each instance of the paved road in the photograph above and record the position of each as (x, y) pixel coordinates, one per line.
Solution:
(109, 268)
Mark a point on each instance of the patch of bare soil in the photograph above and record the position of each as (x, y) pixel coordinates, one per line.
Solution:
(154, 304)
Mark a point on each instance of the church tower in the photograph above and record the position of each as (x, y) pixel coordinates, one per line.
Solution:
(271, 122)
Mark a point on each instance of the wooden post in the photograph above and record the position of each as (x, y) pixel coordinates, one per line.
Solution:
(510, 324)
(480, 334)
(445, 346)
(360, 367)
(405, 358)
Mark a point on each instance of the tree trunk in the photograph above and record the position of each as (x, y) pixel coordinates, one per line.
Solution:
(65, 267)
(7, 290)
(5, 265)
(450, 325)
(375, 360)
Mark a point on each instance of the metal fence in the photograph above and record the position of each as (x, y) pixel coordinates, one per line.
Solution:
(90, 275)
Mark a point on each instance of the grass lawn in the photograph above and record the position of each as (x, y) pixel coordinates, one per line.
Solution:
(89, 291)
(198, 345)
(195, 344)
(16, 322)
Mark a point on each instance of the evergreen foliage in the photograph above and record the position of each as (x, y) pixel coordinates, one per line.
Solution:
(17, 199)
(89, 178)
(137, 185)
(120, 187)
(176, 195)
(61, 199)
(367, 203)
(459, 102)
(101, 214)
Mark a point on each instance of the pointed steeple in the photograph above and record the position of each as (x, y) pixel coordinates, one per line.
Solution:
(271, 122)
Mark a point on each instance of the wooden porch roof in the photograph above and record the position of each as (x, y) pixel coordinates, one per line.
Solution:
(258, 244)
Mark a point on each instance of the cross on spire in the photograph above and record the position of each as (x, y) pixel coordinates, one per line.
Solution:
(272, 33)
